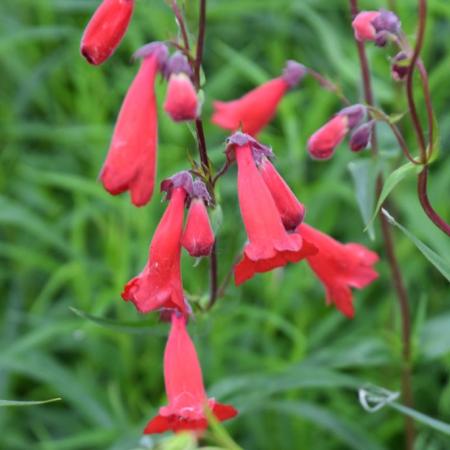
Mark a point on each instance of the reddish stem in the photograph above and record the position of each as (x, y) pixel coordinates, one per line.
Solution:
(397, 278)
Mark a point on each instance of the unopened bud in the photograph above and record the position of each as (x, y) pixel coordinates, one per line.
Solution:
(360, 138)
(400, 66)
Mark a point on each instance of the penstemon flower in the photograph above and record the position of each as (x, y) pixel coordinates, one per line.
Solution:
(270, 245)
(106, 29)
(184, 387)
(198, 236)
(159, 285)
(252, 112)
(340, 267)
(131, 161)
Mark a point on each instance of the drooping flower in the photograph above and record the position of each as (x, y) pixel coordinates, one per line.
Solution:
(181, 99)
(198, 236)
(131, 161)
(252, 112)
(270, 245)
(290, 209)
(322, 144)
(340, 267)
(375, 26)
(186, 394)
(106, 29)
(159, 285)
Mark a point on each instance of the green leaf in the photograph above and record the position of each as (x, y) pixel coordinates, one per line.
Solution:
(391, 181)
(441, 264)
(351, 434)
(28, 403)
(422, 418)
(364, 174)
(138, 326)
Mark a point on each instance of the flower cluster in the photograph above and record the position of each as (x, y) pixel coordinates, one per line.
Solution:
(272, 215)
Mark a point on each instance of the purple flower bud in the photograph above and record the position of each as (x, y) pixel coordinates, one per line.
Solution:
(355, 114)
(387, 21)
(400, 66)
(293, 72)
(386, 24)
(360, 138)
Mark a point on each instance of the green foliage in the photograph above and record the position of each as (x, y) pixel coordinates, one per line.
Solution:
(290, 364)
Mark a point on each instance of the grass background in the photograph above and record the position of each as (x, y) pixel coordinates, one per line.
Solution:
(272, 348)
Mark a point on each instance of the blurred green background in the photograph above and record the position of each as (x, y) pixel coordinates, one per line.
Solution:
(272, 348)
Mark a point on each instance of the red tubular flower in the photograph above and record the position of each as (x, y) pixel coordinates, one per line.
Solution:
(252, 112)
(198, 237)
(131, 161)
(290, 209)
(269, 244)
(184, 387)
(340, 267)
(159, 285)
(106, 29)
(322, 144)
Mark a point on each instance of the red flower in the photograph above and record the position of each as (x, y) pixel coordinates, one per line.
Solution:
(159, 285)
(269, 244)
(340, 267)
(181, 99)
(198, 237)
(322, 143)
(252, 112)
(106, 29)
(290, 209)
(131, 161)
(184, 387)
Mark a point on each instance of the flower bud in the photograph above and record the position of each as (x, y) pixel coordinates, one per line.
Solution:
(290, 209)
(106, 29)
(198, 237)
(360, 138)
(376, 26)
(400, 66)
(181, 102)
(323, 142)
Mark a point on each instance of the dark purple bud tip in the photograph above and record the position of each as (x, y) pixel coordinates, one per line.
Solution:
(240, 139)
(165, 314)
(177, 63)
(355, 114)
(154, 48)
(360, 138)
(181, 179)
(199, 190)
(293, 73)
(400, 66)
